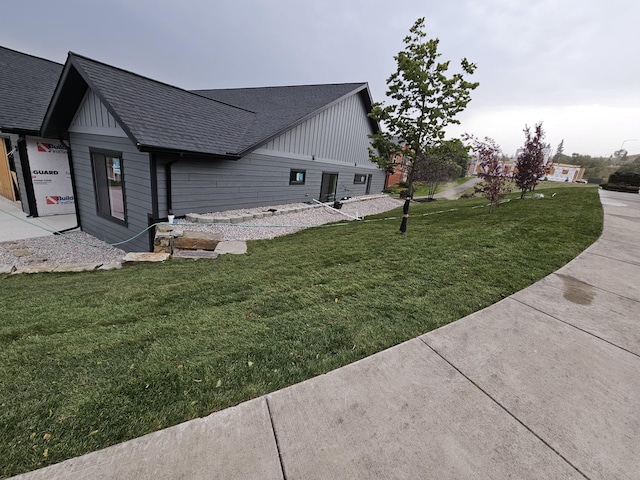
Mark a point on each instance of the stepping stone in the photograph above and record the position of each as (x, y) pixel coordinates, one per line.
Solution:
(6, 269)
(111, 266)
(235, 247)
(76, 267)
(22, 253)
(34, 269)
(138, 257)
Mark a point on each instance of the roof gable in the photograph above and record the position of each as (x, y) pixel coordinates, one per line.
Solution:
(26, 86)
(279, 109)
(155, 115)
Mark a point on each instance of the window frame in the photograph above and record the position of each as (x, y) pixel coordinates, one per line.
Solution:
(359, 179)
(100, 184)
(293, 173)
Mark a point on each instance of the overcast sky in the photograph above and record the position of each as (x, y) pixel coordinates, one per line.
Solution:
(573, 64)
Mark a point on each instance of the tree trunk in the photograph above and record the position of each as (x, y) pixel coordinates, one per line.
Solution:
(407, 202)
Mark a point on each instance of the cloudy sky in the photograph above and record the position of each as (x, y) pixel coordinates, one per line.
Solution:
(573, 64)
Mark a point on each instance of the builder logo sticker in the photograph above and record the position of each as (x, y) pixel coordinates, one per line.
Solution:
(59, 199)
(51, 147)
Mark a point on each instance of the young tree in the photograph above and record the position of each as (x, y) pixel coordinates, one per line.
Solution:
(426, 100)
(494, 186)
(442, 163)
(530, 163)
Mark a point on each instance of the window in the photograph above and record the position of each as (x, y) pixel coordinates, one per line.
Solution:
(109, 185)
(359, 179)
(296, 177)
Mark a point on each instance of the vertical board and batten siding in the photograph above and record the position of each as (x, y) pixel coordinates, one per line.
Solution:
(339, 133)
(93, 117)
(137, 190)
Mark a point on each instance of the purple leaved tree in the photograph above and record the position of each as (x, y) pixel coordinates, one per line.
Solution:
(530, 163)
(495, 182)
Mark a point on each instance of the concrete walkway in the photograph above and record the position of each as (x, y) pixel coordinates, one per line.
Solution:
(454, 192)
(15, 225)
(542, 385)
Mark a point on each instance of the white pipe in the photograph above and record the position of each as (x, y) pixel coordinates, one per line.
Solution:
(335, 209)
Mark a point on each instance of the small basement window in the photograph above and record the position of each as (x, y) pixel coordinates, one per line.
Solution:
(297, 177)
(359, 179)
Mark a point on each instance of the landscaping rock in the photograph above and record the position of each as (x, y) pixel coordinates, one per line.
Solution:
(139, 257)
(164, 228)
(34, 269)
(111, 266)
(6, 269)
(197, 241)
(235, 247)
(195, 254)
(77, 267)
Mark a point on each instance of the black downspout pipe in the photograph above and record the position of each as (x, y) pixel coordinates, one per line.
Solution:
(153, 216)
(73, 187)
(26, 174)
(168, 180)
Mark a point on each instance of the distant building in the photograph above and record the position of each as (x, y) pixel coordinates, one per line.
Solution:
(554, 172)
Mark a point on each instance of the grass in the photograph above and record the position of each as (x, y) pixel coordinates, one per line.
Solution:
(92, 359)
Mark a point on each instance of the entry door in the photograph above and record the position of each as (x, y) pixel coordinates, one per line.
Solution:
(328, 187)
(369, 178)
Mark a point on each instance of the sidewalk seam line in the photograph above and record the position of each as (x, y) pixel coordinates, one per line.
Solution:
(578, 328)
(275, 437)
(530, 430)
(612, 258)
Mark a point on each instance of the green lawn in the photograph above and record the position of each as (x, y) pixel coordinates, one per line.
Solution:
(92, 359)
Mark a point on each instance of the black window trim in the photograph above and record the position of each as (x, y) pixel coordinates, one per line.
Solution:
(101, 214)
(296, 171)
(359, 179)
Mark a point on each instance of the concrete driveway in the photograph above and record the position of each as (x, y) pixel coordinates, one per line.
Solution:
(15, 225)
(542, 385)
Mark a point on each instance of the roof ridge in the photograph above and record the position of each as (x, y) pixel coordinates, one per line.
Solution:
(77, 55)
(31, 55)
(278, 86)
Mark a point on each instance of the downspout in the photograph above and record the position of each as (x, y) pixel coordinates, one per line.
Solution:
(153, 216)
(73, 186)
(167, 169)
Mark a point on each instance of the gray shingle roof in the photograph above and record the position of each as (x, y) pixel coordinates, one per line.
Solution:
(26, 86)
(280, 108)
(214, 122)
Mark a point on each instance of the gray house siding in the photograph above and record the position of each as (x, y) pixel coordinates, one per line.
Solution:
(137, 190)
(339, 133)
(202, 186)
(333, 141)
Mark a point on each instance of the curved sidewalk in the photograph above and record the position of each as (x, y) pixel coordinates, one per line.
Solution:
(544, 384)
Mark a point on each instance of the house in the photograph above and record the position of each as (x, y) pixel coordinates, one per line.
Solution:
(554, 172)
(141, 148)
(33, 170)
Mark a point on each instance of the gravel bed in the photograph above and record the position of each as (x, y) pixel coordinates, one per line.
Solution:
(72, 247)
(75, 247)
(278, 225)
